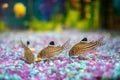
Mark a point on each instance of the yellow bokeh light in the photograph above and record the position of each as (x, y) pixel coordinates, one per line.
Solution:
(19, 10)
(5, 6)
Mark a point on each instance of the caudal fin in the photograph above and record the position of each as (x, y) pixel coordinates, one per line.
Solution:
(66, 45)
(100, 41)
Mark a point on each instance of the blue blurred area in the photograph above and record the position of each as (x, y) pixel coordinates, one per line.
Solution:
(117, 6)
(46, 9)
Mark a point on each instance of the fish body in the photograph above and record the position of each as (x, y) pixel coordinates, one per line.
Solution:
(84, 46)
(28, 56)
(51, 51)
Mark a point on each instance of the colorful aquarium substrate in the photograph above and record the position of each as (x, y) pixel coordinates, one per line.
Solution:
(103, 63)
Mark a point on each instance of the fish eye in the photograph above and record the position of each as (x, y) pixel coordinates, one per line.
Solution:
(28, 42)
(84, 39)
(52, 43)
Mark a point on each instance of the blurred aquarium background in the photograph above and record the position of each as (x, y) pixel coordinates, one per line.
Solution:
(46, 15)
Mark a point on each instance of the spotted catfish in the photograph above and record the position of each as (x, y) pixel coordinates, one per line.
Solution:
(83, 46)
(51, 50)
(28, 55)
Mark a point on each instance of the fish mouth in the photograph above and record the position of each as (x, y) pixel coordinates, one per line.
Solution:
(38, 59)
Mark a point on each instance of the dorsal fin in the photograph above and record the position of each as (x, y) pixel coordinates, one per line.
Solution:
(22, 44)
(84, 39)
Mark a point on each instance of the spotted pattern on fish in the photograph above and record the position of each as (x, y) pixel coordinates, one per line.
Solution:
(82, 47)
(28, 55)
(51, 51)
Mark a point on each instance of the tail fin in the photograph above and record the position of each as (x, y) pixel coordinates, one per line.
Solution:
(66, 45)
(100, 41)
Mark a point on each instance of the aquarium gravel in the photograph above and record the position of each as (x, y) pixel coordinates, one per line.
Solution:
(99, 64)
